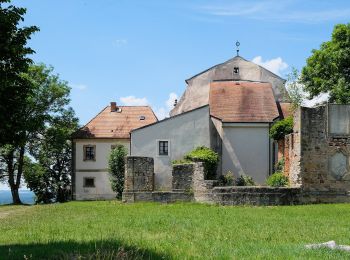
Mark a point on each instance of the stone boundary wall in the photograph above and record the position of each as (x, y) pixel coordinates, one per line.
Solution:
(139, 175)
(319, 162)
(256, 195)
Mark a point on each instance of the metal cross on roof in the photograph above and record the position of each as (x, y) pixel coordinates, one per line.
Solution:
(237, 47)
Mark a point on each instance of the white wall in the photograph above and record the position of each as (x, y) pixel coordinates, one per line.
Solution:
(97, 169)
(246, 149)
(184, 133)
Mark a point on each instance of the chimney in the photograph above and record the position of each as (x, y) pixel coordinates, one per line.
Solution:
(113, 106)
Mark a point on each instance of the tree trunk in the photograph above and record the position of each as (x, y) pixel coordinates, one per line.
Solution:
(15, 196)
(14, 185)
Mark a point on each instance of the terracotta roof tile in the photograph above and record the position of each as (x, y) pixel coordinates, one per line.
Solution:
(240, 101)
(109, 124)
(286, 109)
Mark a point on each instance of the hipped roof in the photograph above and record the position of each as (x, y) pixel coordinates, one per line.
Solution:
(240, 101)
(115, 124)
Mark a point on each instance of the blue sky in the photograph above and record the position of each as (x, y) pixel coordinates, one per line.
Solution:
(140, 52)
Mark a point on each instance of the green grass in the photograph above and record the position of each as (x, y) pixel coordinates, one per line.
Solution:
(109, 230)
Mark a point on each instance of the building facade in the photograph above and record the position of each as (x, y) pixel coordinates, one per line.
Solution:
(93, 143)
(229, 108)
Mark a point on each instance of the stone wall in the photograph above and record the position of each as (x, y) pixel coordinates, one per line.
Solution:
(267, 196)
(320, 158)
(182, 177)
(139, 174)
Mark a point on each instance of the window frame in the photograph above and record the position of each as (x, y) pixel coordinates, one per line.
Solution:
(84, 152)
(88, 186)
(158, 147)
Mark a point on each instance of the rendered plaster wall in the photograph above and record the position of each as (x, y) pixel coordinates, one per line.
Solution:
(197, 91)
(97, 169)
(246, 149)
(325, 152)
(183, 133)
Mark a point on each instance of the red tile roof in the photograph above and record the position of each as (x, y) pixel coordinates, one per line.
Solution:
(286, 109)
(109, 124)
(240, 101)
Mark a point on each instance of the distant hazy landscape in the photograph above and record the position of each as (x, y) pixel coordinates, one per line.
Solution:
(27, 197)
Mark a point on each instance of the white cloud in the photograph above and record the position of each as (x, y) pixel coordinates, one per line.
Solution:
(163, 112)
(78, 86)
(276, 65)
(171, 100)
(134, 101)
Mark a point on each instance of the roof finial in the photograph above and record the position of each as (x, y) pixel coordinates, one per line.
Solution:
(237, 47)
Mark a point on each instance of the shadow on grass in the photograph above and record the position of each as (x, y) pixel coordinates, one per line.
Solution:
(106, 249)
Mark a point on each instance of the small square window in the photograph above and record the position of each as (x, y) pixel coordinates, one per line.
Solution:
(236, 70)
(163, 148)
(89, 182)
(89, 152)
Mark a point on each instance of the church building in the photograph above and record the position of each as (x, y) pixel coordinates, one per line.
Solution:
(230, 108)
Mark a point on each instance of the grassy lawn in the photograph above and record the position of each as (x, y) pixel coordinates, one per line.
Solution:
(106, 230)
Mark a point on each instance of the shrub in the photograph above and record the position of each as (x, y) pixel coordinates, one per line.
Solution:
(208, 157)
(227, 179)
(279, 166)
(281, 128)
(181, 161)
(278, 179)
(245, 180)
(116, 168)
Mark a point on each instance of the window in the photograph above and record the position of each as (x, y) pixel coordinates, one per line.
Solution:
(89, 152)
(89, 182)
(163, 148)
(236, 70)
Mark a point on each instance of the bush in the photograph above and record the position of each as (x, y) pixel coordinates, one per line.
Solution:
(227, 179)
(281, 128)
(278, 179)
(182, 161)
(208, 157)
(116, 168)
(279, 166)
(245, 180)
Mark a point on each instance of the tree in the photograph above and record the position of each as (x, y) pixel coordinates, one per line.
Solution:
(116, 168)
(295, 89)
(327, 70)
(14, 61)
(50, 176)
(48, 98)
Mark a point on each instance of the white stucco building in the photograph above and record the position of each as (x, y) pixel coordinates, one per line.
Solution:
(229, 108)
(93, 143)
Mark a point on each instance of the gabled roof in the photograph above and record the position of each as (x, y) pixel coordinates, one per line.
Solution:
(240, 101)
(115, 124)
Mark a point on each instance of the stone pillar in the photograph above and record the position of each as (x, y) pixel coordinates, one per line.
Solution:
(183, 177)
(139, 175)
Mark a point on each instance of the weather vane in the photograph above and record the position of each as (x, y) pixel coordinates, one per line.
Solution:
(237, 47)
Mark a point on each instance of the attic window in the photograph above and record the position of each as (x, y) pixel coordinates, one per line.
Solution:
(142, 117)
(236, 70)
(119, 110)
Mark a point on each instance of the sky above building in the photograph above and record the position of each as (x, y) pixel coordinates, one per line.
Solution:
(141, 52)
